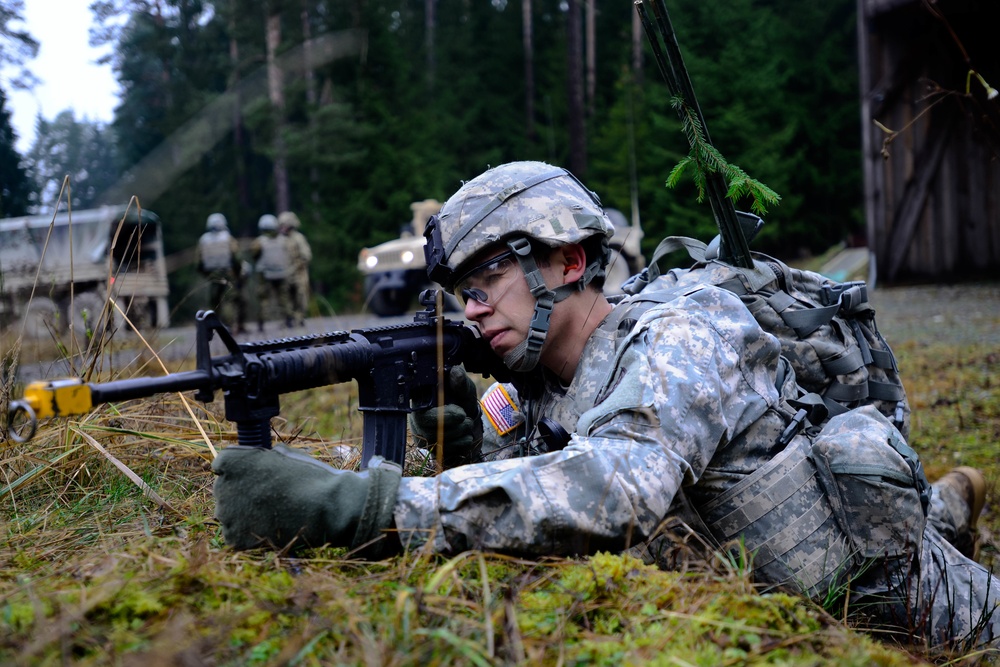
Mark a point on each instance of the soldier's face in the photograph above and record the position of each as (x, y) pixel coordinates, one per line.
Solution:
(497, 299)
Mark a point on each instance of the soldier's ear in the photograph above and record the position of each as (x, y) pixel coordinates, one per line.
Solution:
(573, 261)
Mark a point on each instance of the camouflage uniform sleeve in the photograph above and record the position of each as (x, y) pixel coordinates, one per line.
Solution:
(305, 251)
(197, 255)
(692, 375)
(292, 249)
(499, 443)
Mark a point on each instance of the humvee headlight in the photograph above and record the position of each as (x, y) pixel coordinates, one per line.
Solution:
(371, 261)
(406, 256)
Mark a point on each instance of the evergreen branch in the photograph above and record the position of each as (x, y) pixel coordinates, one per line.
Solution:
(705, 159)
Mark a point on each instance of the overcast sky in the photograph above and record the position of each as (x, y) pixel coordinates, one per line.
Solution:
(65, 65)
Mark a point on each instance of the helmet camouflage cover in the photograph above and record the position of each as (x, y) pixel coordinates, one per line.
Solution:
(545, 203)
(267, 223)
(290, 219)
(216, 222)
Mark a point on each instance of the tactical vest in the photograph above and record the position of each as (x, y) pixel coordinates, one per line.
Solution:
(273, 260)
(216, 253)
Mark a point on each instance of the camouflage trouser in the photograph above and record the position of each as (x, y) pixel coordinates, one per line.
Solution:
(274, 296)
(944, 598)
(299, 283)
(225, 289)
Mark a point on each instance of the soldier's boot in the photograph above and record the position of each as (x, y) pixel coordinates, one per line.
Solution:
(968, 485)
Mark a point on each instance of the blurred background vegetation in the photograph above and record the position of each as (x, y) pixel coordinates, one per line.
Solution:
(347, 111)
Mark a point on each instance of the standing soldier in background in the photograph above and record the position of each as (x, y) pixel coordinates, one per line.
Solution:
(300, 254)
(270, 254)
(217, 258)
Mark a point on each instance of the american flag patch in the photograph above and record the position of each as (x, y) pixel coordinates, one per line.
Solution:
(500, 410)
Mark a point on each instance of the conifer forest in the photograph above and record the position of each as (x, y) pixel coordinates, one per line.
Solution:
(346, 112)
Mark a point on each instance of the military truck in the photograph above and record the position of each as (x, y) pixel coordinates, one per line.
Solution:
(395, 272)
(58, 270)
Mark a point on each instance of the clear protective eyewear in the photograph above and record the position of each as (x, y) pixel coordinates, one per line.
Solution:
(487, 282)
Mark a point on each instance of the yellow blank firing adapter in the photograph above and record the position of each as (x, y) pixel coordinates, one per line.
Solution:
(49, 398)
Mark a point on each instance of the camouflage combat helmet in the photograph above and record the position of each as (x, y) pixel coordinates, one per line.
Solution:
(290, 219)
(216, 222)
(267, 223)
(517, 205)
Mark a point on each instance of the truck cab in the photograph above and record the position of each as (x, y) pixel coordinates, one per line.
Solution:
(395, 272)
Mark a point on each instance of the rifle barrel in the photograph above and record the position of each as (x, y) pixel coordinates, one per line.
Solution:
(123, 390)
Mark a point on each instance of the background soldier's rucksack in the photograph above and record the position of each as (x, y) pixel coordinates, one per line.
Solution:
(826, 328)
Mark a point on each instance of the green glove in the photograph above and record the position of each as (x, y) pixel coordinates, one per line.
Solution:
(279, 497)
(462, 421)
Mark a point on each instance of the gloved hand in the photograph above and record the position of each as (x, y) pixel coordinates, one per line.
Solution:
(462, 422)
(272, 497)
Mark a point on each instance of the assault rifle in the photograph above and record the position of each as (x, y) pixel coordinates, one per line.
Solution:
(396, 368)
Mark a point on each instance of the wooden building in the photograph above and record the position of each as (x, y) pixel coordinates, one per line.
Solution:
(930, 119)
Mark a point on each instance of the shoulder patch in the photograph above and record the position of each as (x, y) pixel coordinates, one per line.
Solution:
(499, 408)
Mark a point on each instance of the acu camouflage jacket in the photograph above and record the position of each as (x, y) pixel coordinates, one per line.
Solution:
(685, 399)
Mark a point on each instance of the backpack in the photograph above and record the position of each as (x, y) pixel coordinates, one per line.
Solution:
(827, 329)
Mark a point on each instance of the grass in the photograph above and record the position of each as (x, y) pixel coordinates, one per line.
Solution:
(111, 556)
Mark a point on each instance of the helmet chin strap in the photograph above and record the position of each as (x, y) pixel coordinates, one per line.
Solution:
(525, 356)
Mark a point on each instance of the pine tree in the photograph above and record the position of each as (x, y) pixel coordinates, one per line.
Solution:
(15, 186)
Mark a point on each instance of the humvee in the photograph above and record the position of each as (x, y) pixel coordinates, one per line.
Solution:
(395, 272)
(58, 271)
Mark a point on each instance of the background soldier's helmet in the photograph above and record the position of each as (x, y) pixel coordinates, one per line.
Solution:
(267, 223)
(216, 222)
(290, 219)
(545, 203)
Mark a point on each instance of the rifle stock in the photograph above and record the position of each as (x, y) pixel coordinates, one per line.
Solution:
(397, 370)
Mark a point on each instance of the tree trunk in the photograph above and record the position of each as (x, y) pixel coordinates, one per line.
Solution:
(591, 56)
(529, 69)
(574, 71)
(310, 99)
(430, 24)
(276, 93)
(637, 36)
(242, 189)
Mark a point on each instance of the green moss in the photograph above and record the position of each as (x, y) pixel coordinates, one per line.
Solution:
(17, 617)
(134, 602)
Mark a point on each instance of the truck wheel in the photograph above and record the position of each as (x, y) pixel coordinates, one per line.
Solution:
(40, 317)
(140, 313)
(389, 303)
(87, 317)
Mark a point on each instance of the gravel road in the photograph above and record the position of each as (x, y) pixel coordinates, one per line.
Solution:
(962, 313)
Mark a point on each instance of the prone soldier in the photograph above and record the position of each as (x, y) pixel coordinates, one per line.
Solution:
(631, 416)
